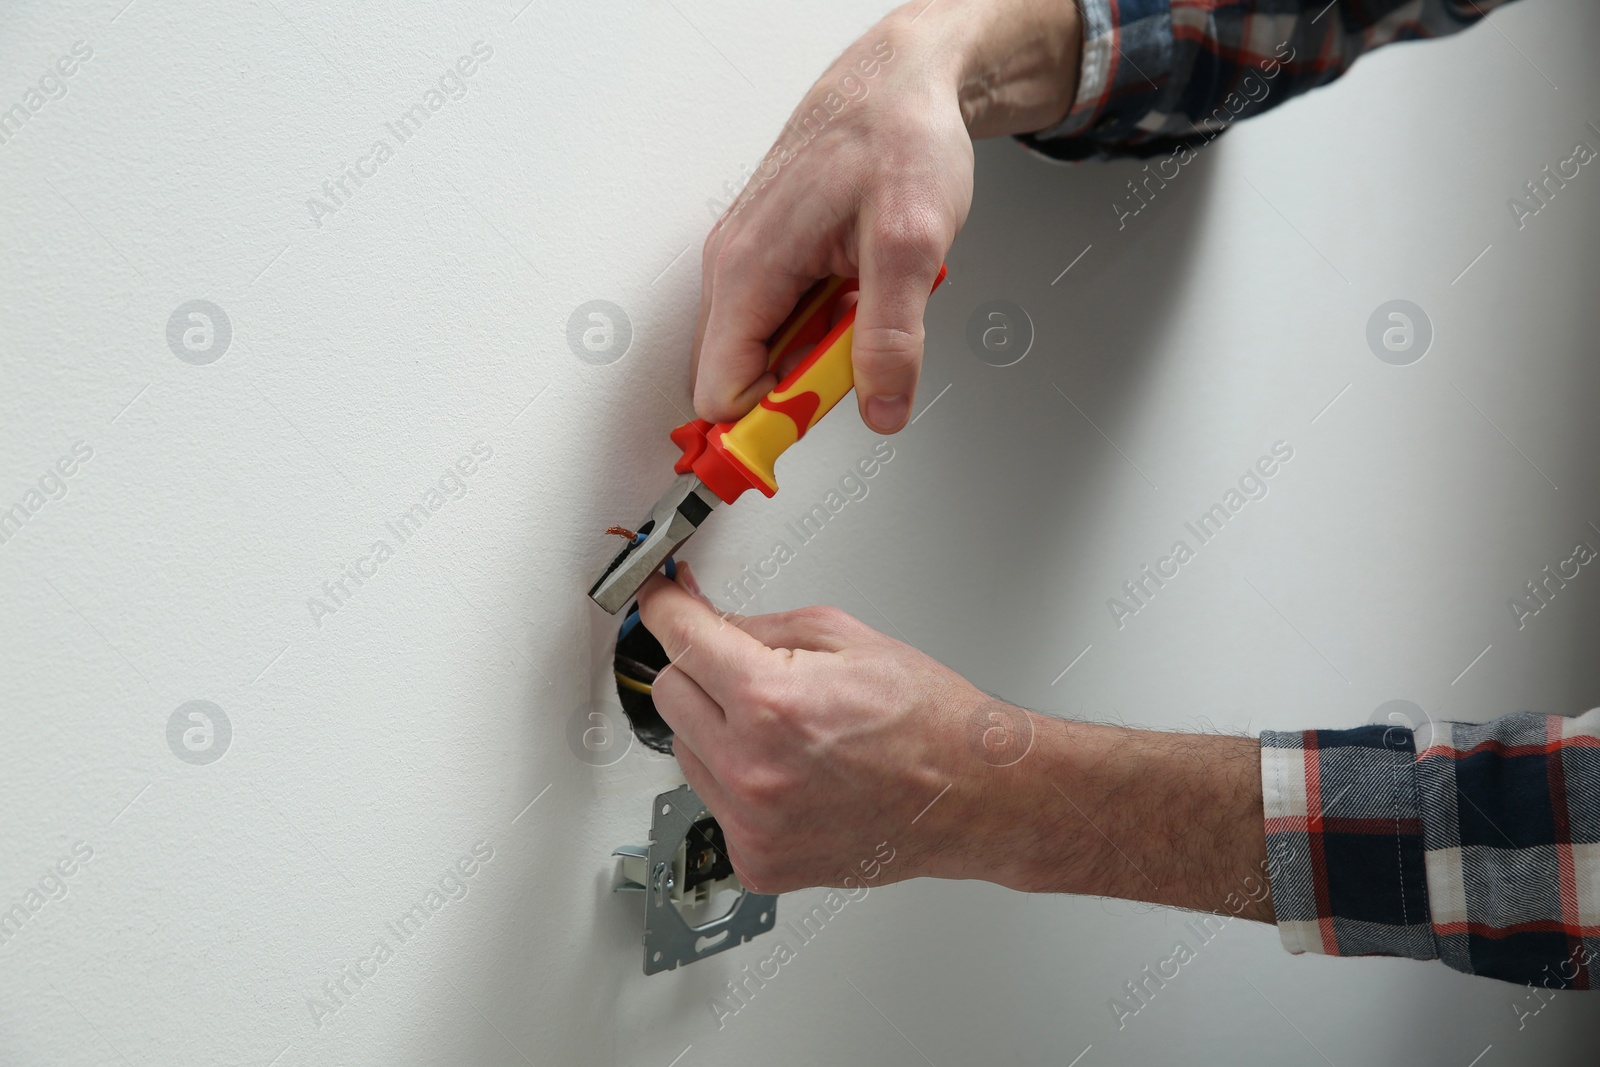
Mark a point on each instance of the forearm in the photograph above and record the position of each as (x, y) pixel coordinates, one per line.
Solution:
(1101, 810)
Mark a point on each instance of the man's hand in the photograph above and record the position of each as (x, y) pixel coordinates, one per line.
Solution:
(814, 739)
(872, 178)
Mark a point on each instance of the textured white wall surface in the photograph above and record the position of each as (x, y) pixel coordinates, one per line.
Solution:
(195, 480)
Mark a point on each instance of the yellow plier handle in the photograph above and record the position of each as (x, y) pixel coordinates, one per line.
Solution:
(730, 457)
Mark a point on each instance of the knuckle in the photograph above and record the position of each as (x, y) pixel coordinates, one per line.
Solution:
(766, 698)
(721, 262)
(676, 637)
(708, 388)
(814, 613)
(743, 692)
(759, 787)
(909, 238)
(890, 349)
(824, 618)
(735, 256)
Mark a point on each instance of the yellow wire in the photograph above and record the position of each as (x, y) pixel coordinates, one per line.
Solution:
(632, 683)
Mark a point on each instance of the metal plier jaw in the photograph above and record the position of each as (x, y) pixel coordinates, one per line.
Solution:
(674, 519)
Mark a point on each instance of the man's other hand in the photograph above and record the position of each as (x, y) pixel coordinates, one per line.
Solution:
(872, 178)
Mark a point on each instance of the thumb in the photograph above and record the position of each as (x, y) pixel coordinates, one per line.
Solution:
(900, 257)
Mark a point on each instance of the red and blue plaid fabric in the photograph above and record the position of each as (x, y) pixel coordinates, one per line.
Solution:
(1158, 75)
(1474, 844)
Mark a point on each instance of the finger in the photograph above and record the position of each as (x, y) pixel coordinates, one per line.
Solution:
(798, 353)
(684, 706)
(701, 778)
(900, 255)
(717, 655)
(686, 579)
(708, 259)
(749, 301)
(816, 629)
(710, 790)
(716, 799)
(691, 584)
(740, 868)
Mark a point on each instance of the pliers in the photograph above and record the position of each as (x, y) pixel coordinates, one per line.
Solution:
(722, 460)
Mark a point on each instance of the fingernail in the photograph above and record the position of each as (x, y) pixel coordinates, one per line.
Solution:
(886, 413)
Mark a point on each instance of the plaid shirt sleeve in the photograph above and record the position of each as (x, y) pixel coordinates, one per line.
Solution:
(1474, 844)
(1158, 76)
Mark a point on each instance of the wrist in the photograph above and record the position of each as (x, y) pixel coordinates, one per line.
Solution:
(1054, 802)
(1012, 65)
(1140, 815)
(1004, 820)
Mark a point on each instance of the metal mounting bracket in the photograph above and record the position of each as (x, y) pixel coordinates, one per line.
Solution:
(685, 866)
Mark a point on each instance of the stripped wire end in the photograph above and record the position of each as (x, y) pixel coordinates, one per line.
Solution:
(622, 531)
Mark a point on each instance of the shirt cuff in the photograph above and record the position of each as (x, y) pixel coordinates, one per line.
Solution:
(1125, 62)
(1511, 817)
(1344, 838)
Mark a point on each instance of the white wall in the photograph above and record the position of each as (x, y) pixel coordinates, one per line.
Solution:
(371, 749)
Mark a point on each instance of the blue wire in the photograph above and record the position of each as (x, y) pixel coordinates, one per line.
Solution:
(628, 624)
(633, 616)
